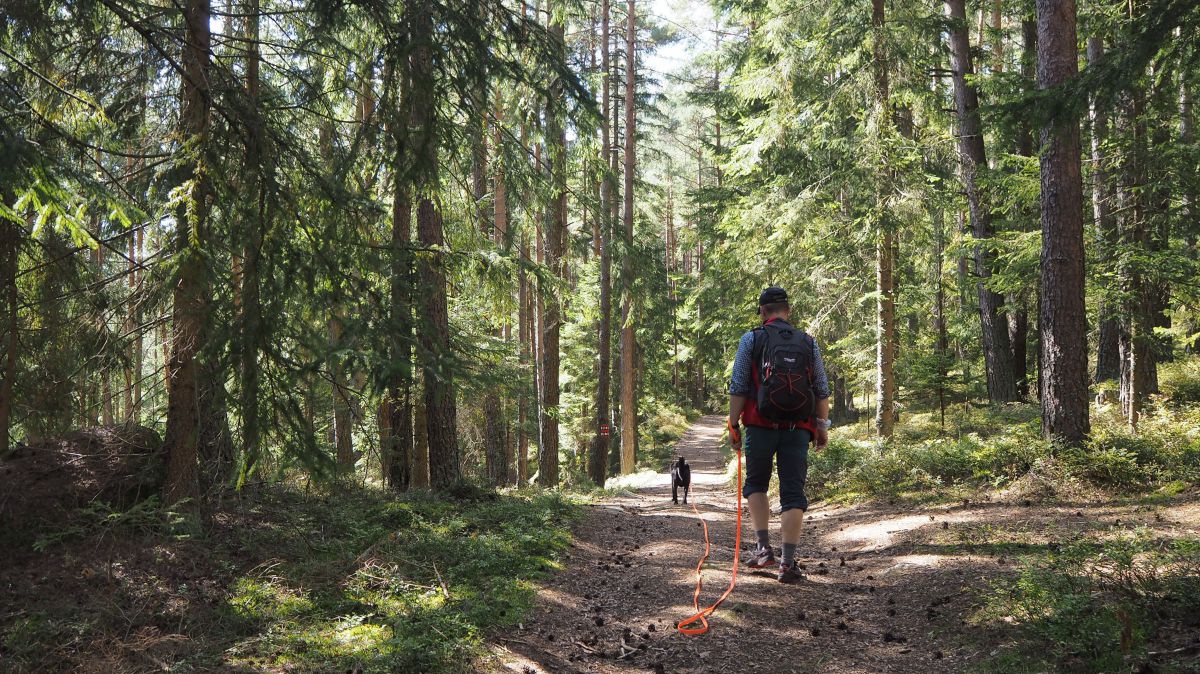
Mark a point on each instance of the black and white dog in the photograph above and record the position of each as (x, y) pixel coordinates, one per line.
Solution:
(681, 476)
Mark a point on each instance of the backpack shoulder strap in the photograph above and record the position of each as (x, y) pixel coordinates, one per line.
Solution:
(760, 339)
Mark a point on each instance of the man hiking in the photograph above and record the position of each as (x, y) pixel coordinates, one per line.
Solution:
(780, 392)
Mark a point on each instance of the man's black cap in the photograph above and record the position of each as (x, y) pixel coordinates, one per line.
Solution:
(772, 295)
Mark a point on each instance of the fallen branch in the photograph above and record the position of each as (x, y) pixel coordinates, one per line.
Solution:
(445, 588)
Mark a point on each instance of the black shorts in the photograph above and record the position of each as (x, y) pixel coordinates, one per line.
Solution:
(763, 446)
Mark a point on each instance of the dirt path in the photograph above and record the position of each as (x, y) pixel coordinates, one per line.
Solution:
(886, 590)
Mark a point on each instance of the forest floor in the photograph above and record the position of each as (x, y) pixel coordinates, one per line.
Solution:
(889, 588)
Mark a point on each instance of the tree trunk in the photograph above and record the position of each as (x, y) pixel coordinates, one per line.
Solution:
(420, 478)
(133, 371)
(139, 350)
(1189, 184)
(1018, 315)
(493, 415)
(106, 392)
(503, 239)
(399, 460)
(343, 425)
(997, 351)
(942, 343)
(1062, 314)
(885, 278)
(191, 289)
(628, 340)
(556, 229)
(434, 329)
(1108, 364)
(524, 320)
(1159, 221)
(10, 250)
(598, 456)
(1018, 335)
(249, 291)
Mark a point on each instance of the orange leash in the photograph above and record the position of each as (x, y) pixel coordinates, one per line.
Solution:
(700, 618)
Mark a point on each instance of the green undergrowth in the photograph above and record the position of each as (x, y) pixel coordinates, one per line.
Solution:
(407, 585)
(662, 428)
(990, 448)
(344, 579)
(1125, 604)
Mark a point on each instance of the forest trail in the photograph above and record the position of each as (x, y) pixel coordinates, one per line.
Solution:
(888, 589)
(629, 578)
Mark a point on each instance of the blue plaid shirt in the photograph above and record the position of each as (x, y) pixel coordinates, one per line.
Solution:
(743, 362)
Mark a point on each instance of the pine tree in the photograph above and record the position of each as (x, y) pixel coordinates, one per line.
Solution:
(997, 351)
(1062, 313)
(629, 411)
(183, 436)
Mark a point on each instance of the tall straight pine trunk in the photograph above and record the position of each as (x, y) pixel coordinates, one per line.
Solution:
(493, 435)
(1062, 311)
(191, 289)
(1108, 360)
(629, 412)
(598, 455)
(10, 249)
(434, 329)
(556, 228)
(997, 351)
(250, 290)
(1018, 303)
(885, 241)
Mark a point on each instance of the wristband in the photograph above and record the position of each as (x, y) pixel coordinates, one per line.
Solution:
(824, 424)
(734, 436)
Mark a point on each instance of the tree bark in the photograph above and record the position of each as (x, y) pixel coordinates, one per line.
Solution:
(434, 330)
(1108, 364)
(1190, 178)
(1062, 313)
(997, 351)
(249, 290)
(1159, 220)
(493, 435)
(885, 278)
(399, 468)
(500, 429)
(343, 425)
(598, 456)
(10, 250)
(942, 343)
(524, 322)
(556, 229)
(420, 478)
(628, 339)
(183, 434)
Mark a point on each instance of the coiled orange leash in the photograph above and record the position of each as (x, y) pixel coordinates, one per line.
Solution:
(697, 624)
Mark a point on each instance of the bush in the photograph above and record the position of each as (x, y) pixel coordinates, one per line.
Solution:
(1095, 607)
(1180, 381)
(658, 432)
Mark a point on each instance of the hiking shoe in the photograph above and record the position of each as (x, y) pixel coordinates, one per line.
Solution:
(762, 558)
(790, 574)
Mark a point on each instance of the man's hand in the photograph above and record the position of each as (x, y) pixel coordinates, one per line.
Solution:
(735, 434)
(820, 439)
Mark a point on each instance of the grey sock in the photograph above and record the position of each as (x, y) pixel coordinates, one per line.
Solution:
(764, 537)
(789, 553)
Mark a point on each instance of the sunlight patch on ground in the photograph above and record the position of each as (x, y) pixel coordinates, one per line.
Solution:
(881, 533)
(515, 662)
(906, 562)
(648, 479)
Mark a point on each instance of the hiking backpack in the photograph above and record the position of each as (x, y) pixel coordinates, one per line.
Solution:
(785, 372)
